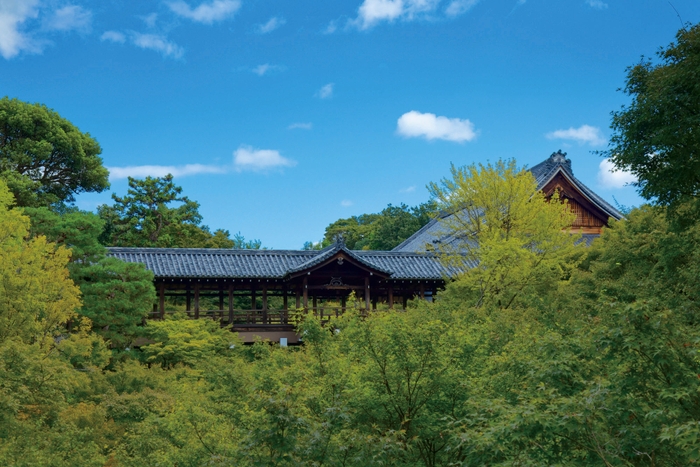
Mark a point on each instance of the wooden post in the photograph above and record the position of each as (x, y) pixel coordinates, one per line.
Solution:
(315, 309)
(161, 300)
(285, 306)
(343, 302)
(405, 301)
(196, 300)
(230, 304)
(298, 297)
(221, 299)
(305, 286)
(254, 318)
(188, 305)
(264, 303)
(367, 293)
(390, 296)
(422, 291)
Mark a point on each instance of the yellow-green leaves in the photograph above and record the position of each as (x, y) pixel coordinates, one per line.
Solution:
(37, 297)
(504, 236)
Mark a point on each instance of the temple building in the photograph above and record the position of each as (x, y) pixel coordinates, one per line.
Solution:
(257, 291)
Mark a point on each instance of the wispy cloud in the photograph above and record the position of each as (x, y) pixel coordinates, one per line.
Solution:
(597, 4)
(326, 91)
(150, 19)
(609, 177)
(266, 68)
(140, 171)
(259, 160)
(272, 24)
(458, 7)
(69, 18)
(157, 43)
(331, 28)
(346, 203)
(409, 189)
(585, 134)
(415, 124)
(206, 13)
(113, 36)
(300, 126)
(13, 14)
(372, 12)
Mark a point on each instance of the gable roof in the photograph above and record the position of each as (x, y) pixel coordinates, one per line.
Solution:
(544, 172)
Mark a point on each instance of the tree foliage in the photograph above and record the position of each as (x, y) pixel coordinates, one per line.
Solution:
(657, 136)
(155, 214)
(503, 234)
(44, 159)
(382, 231)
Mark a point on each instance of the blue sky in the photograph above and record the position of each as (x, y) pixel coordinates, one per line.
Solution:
(280, 117)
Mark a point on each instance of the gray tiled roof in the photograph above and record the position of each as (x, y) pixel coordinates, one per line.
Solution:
(434, 231)
(274, 264)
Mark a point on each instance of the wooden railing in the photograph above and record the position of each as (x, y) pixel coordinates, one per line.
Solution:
(258, 316)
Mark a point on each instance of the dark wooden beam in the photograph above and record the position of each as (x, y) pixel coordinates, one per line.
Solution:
(367, 293)
(161, 300)
(390, 296)
(196, 300)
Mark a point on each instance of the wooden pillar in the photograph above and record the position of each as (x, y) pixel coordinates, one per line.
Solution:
(305, 286)
(285, 305)
(374, 302)
(315, 309)
(188, 305)
(390, 296)
(230, 304)
(367, 293)
(264, 303)
(343, 302)
(161, 300)
(196, 300)
(422, 291)
(221, 299)
(298, 297)
(405, 301)
(252, 319)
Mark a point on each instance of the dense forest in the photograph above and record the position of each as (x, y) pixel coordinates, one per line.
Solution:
(547, 353)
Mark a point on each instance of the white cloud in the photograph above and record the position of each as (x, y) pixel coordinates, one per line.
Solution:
(331, 28)
(272, 24)
(264, 69)
(69, 18)
(597, 4)
(13, 14)
(372, 12)
(259, 160)
(414, 124)
(301, 126)
(113, 36)
(346, 203)
(141, 171)
(206, 13)
(157, 43)
(458, 7)
(608, 177)
(409, 189)
(582, 135)
(326, 91)
(150, 20)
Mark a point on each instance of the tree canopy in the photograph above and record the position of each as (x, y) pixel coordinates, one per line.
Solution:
(381, 231)
(657, 135)
(154, 213)
(45, 159)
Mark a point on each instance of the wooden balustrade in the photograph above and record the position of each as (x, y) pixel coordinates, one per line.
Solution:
(258, 316)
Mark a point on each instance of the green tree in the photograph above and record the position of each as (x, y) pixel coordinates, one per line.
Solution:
(44, 159)
(37, 297)
(506, 239)
(382, 231)
(155, 214)
(657, 136)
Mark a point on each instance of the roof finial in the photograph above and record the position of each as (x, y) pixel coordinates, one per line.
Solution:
(560, 158)
(339, 239)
